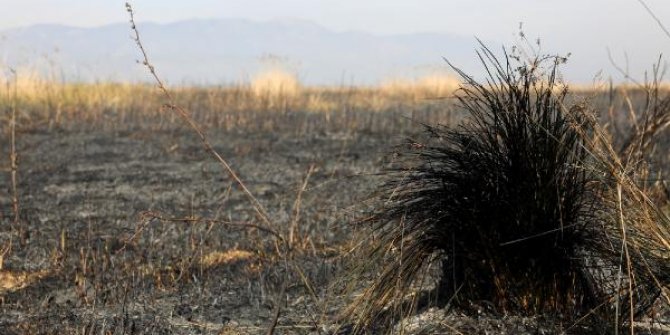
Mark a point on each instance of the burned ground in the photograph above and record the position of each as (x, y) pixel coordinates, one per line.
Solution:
(94, 238)
(135, 229)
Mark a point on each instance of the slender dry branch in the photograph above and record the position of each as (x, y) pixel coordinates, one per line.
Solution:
(185, 115)
(658, 21)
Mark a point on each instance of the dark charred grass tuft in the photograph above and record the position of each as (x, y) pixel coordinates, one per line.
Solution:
(525, 206)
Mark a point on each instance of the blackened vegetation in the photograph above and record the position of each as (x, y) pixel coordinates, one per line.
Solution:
(527, 206)
(507, 182)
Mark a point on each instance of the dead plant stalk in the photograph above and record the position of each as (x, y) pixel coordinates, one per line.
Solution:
(185, 115)
(13, 156)
(296, 207)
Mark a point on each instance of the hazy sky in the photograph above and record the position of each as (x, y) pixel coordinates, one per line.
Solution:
(623, 26)
(613, 19)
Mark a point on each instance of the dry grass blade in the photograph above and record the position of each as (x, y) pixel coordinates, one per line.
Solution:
(293, 230)
(13, 156)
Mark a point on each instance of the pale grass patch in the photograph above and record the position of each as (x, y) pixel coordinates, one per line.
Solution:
(32, 89)
(11, 281)
(27, 83)
(604, 86)
(219, 258)
(430, 85)
(207, 261)
(276, 83)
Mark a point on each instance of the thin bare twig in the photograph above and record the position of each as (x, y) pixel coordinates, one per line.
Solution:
(621, 70)
(658, 21)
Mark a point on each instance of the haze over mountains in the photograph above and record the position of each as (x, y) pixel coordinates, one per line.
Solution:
(219, 51)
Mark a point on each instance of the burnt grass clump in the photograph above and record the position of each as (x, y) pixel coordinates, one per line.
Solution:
(505, 197)
(526, 207)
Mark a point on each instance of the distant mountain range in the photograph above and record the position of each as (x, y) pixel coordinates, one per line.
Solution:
(221, 51)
